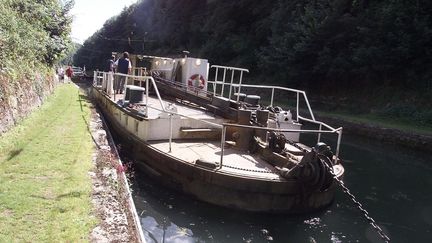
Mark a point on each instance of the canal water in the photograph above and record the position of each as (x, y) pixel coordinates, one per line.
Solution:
(393, 183)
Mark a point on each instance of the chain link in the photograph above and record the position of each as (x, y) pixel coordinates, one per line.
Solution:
(351, 196)
(251, 170)
(340, 183)
(359, 205)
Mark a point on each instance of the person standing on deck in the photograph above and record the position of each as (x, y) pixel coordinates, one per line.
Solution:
(110, 64)
(123, 66)
(107, 85)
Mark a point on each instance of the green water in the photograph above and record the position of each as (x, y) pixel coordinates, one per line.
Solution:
(394, 184)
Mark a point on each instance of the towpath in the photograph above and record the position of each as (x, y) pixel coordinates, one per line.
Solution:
(54, 186)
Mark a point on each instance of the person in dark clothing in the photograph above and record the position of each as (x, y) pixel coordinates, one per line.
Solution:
(123, 66)
(110, 64)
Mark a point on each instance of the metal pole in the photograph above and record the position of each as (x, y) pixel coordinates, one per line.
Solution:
(215, 83)
(338, 144)
(319, 134)
(124, 87)
(157, 93)
(272, 96)
(223, 82)
(308, 105)
(147, 96)
(115, 83)
(170, 138)
(222, 145)
(239, 88)
(298, 101)
(232, 80)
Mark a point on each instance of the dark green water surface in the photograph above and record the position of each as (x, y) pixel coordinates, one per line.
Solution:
(394, 184)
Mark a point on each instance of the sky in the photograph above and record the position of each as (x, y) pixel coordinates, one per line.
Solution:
(90, 15)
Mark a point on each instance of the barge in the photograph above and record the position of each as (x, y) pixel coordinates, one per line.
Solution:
(222, 141)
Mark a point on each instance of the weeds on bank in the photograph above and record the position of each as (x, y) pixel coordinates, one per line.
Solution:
(44, 163)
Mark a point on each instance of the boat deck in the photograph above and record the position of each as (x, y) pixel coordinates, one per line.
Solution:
(234, 161)
(196, 113)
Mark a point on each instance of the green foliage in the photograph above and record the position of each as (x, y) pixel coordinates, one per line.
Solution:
(341, 44)
(326, 46)
(33, 34)
(354, 49)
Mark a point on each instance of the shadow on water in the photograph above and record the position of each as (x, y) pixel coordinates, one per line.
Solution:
(168, 216)
(391, 182)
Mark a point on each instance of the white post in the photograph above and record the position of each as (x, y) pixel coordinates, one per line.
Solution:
(170, 138)
(215, 83)
(94, 78)
(115, 91)
(110, 89)
(298, 101)
(308, 105)
(124, 86)
(319, 134)
(232, 80)
(272, 96)
(239, 88)
(147, 95)
(338, 144)
(223, 82)
(222, 145)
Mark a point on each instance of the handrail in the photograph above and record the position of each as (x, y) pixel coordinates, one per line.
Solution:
(155, 57)
(337, 131)
(225, 125)
(272, 87)
(319, 123)
(140, 78)
(184, 86)
(230, 68)
(285, 89)
(278, 129)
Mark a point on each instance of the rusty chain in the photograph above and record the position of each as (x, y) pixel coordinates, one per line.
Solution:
(340, 183)
(250, 170)
(348, 192)
(358, 204)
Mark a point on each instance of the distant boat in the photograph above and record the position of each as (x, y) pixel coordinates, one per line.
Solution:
(221, 141)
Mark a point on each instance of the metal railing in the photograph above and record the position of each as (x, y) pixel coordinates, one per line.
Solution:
(338, 131)
(222, 82)
(273, 88)
(149, 80)
(299, 94)
(185, 87)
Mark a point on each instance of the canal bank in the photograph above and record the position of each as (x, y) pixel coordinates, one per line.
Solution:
(406, 137)
(57, 179)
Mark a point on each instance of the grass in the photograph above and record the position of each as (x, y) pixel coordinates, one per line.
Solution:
(44, 163)
(370, 119)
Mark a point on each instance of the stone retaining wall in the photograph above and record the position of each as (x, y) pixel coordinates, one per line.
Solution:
(19, 98)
